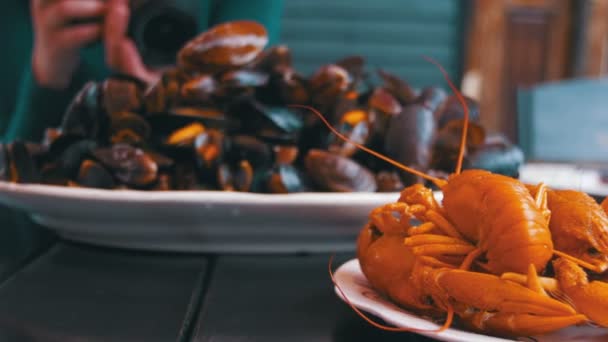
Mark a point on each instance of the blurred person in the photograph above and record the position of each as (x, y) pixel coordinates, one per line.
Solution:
(54, 46)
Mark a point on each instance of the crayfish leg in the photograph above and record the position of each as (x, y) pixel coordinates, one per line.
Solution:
(590, 298)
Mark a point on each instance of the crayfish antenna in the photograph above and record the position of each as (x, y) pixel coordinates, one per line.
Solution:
(463, 138)
(448, 321)
(437, 181)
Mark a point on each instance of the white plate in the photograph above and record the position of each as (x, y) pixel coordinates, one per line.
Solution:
(199, 221)
(358, 291)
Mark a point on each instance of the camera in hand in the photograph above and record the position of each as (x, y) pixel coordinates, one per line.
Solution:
(160, 28)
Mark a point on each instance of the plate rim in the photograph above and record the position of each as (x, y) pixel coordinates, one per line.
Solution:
(196, 196)
(345, 271)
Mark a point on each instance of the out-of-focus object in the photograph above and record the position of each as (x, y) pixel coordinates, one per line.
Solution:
(565, 121)
(160, 28)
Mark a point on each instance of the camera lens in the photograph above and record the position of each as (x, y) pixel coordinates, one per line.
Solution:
(168, 31)
(160, 31)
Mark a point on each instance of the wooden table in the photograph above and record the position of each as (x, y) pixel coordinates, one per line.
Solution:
(53, 290)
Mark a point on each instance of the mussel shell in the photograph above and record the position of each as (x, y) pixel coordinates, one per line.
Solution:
(358, 133)
(273, 124)
(162, 161)
(93, 175)
(285, 154)
(130, 121)
(74, 154)
(384, 102)
(273, 60)
(185, 176)
(498, 155)
(243, 78)
(235, 178)
(209, 147)
(398, 87)
(199, 89)
(327, 84)
(284, 179)
(244, 147)
(354, 65)
(409, 139)
(130, 165)
(155, 98)
(230, 44)
(22, 164)
(432, 97)
(389, 181)
(447, 144)
(185, 136)
(331, 172)
(53, 174)
(451, 109)
(210, 117)
(84, 116)
(120, 95)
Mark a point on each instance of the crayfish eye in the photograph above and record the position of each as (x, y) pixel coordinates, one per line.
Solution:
(376, 233)
(593, 252)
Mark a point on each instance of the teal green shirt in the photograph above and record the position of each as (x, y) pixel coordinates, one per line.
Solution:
(27, 109)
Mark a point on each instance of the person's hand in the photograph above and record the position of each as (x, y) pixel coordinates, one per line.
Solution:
(120, 51)
(58, 38)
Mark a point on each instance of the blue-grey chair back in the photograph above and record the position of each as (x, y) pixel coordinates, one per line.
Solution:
(565, 121)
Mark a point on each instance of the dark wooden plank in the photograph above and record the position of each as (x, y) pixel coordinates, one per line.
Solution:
(78, 293)
(280, 298)
(20, 241)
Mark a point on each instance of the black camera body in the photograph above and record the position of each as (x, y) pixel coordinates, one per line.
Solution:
(160, 28)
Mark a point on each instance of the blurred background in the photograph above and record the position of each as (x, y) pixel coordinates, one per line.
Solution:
(492, 48)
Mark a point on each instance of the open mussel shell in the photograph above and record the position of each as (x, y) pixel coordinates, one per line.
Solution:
(226, 45)
(208, 148)
(237, 177)
(284, 179)
(186, 135)
(331, 172)
(125, 123)
(243, 147)
(165, 125)
(356, 127)
(273, 124)
(432, 98)
(132, 166)
(93, 175)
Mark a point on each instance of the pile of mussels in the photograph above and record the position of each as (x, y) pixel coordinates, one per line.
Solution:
(220, 120)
